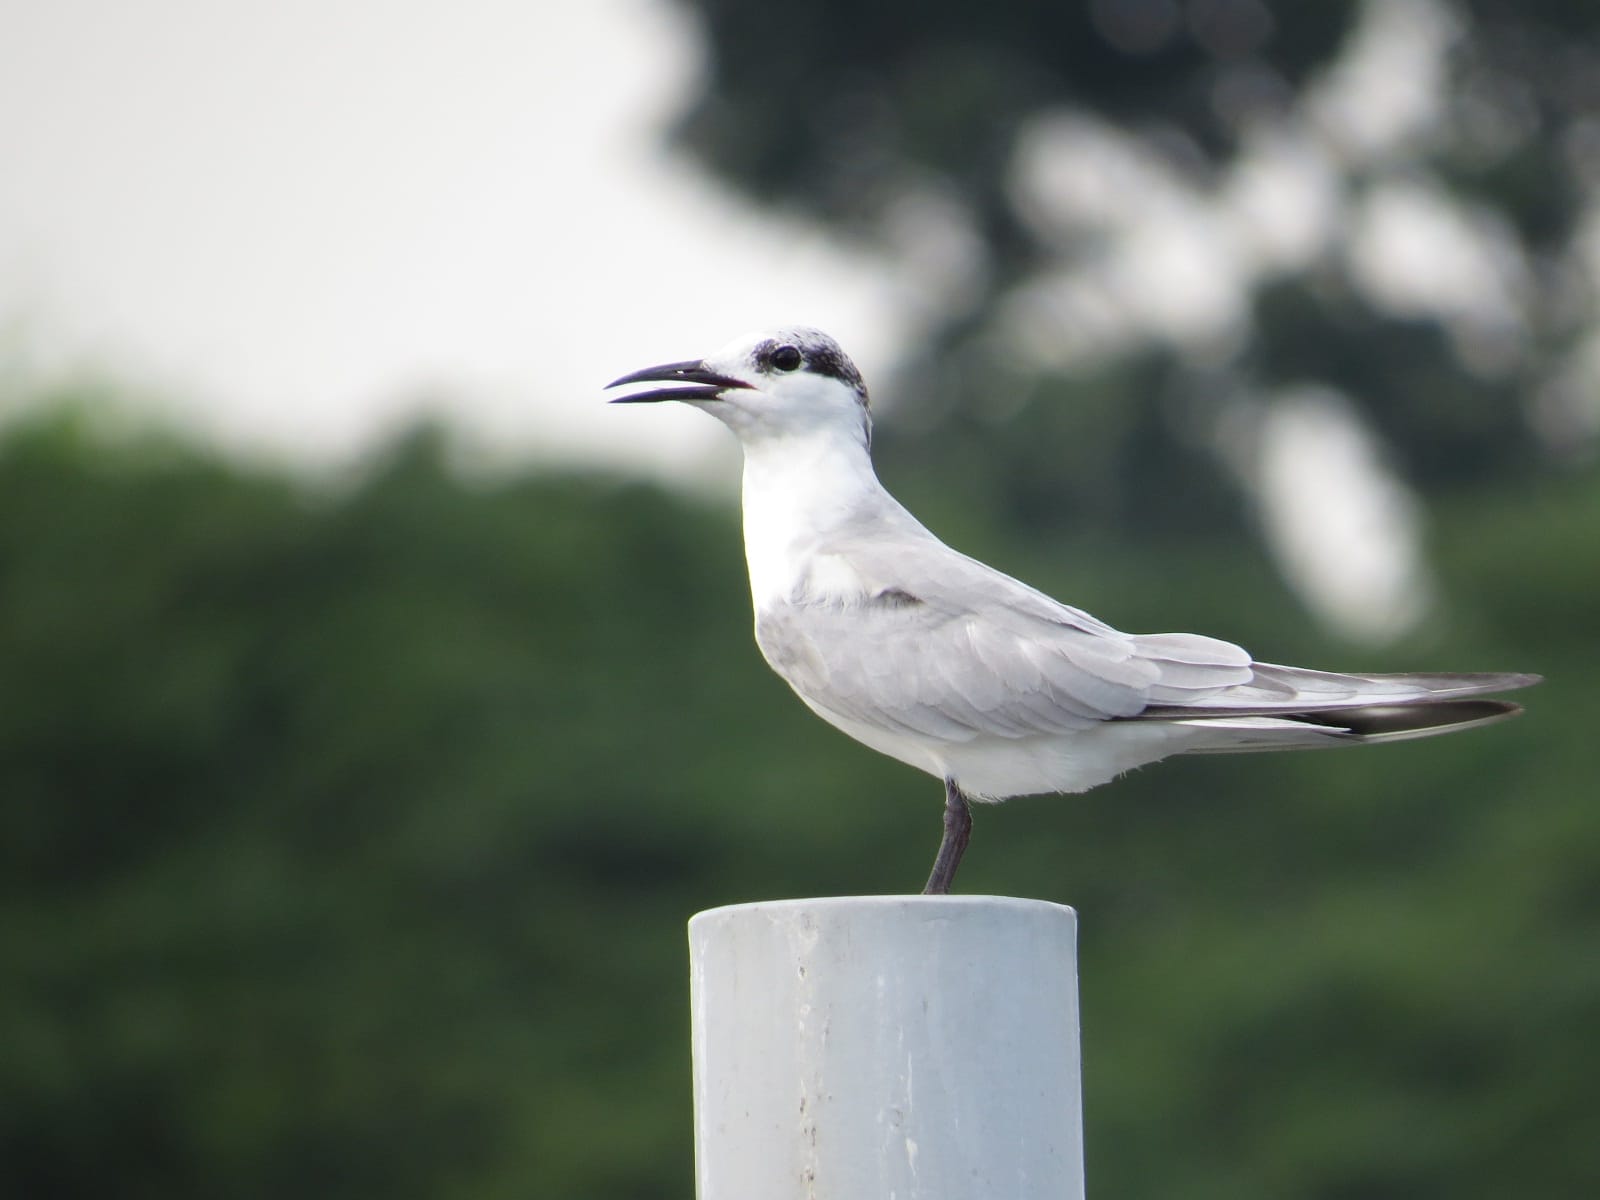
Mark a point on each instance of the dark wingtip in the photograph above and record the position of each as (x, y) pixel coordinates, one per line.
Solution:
(1398, 722)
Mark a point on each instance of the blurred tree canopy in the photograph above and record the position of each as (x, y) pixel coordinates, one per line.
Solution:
(347, 835)
(1197, 203)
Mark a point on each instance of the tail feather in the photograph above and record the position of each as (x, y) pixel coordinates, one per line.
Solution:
(1284, 691)
(1398, 722)
(1235, 733)
(1289, 707)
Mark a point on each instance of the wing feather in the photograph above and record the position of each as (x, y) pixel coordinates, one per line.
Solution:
(938, 645)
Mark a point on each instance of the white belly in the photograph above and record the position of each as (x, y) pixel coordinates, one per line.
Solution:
(995, 768)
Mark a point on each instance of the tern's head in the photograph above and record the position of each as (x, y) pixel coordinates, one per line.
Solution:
(783, 381)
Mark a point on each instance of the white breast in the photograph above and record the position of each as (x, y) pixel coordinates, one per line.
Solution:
(797, 492)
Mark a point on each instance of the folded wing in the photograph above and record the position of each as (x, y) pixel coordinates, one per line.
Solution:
(942, 646)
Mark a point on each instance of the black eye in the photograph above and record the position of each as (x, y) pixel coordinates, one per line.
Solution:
(787, 358)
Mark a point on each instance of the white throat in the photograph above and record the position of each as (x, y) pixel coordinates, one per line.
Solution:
(800, 488)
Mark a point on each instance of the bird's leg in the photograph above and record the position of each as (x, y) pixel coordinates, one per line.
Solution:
(957, 832)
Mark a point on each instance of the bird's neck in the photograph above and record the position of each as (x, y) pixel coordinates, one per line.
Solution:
(798, 490)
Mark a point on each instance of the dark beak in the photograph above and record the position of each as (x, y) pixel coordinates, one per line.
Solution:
(705, 384)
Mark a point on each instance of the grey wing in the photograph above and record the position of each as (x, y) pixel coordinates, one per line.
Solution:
(1154, 676)
(913, 670)
(1274, 690)
(946, 647)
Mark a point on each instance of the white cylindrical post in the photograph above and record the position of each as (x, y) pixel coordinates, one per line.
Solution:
(878, 1047)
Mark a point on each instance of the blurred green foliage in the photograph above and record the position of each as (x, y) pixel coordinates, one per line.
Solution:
(909, 128)
(347, 836)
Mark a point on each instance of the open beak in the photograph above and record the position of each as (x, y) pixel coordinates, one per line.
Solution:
(704, 384)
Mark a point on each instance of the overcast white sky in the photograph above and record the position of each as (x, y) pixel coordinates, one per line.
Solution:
(295, 223)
